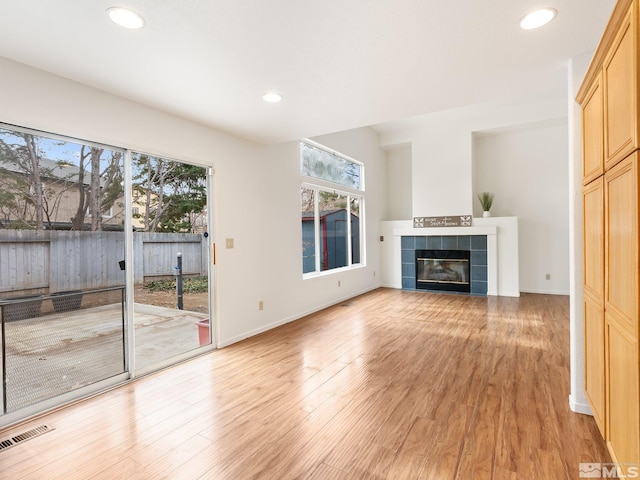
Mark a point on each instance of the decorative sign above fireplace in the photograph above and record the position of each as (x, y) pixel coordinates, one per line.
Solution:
(452, 221)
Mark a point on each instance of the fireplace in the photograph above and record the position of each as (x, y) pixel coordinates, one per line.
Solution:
(476, 244)
(446, 270)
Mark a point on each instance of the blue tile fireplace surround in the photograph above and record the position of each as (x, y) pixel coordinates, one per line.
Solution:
(476, 244)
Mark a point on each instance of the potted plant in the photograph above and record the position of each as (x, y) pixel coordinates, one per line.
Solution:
(486, 200)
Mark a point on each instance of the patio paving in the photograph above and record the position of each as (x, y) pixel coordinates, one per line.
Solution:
(59, 352)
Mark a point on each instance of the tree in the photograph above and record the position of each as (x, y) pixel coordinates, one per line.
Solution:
(331, 201)
(188, 199)
(327, 201)
(103, 188)
(24, 154)
(8, 203)
(307, 196)
(149, 188)
(33, 186)
(171, 193)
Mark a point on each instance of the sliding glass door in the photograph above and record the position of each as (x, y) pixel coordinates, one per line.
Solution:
(61, 288)
(171, 259)
(104, 267)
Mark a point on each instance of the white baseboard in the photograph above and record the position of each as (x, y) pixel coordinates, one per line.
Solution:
(579, 407)
(292, 318)
(505, 294)
(547, 292)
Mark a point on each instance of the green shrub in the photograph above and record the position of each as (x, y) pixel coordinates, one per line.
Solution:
(195, 285)
(190, 285)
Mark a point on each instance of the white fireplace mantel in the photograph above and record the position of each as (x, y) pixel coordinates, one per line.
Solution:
(502, 250)
(442, 231)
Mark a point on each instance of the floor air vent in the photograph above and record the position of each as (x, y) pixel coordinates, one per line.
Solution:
(24, 436)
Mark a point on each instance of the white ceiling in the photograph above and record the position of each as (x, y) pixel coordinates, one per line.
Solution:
(339, 64)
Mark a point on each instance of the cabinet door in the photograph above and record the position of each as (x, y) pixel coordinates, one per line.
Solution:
(621, 310)
(594, 341)
(620, 93)
(593, 133)
(623, 412)
(593, 253)
(594, 360)
(621, 242)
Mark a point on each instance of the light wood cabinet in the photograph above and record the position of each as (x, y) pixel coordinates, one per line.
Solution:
(593, 133)
(620, 78)
(621, 242)
(623, 416)
(593, 254)
(622, 249)
(611, 237)
(594, 327)
(594, 361)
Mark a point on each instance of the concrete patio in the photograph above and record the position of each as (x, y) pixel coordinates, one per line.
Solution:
(59, 352)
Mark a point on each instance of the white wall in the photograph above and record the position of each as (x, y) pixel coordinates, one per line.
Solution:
(577, 69)
(256, 200)
(280, 279)
(442, 149)
(442, 172)
(442, 164)
(526, 169)
(399, 179)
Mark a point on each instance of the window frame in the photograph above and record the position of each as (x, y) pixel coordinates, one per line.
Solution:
(321, 185)
(104, 214)
(330, 151)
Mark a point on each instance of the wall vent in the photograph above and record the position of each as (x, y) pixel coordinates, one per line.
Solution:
(24, 436)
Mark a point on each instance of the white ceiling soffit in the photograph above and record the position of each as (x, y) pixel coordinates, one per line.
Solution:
(338, 64)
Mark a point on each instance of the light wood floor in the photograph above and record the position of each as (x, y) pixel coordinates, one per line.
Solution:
(392, 384)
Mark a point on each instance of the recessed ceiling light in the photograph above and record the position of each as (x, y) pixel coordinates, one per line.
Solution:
(272, 97)
(538, 18)
(125, 18)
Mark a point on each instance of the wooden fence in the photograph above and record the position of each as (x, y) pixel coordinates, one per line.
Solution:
(53, 261)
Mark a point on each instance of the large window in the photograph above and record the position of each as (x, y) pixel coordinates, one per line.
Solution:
(61, 288)
(104, 267)
(332, 223)
(325, 165)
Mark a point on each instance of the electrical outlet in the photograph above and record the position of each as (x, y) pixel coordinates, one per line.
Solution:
(338, 282)
(229, 242)
(548, 276)
(260, 305)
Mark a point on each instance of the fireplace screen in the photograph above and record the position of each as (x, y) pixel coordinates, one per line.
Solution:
(446, 270)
